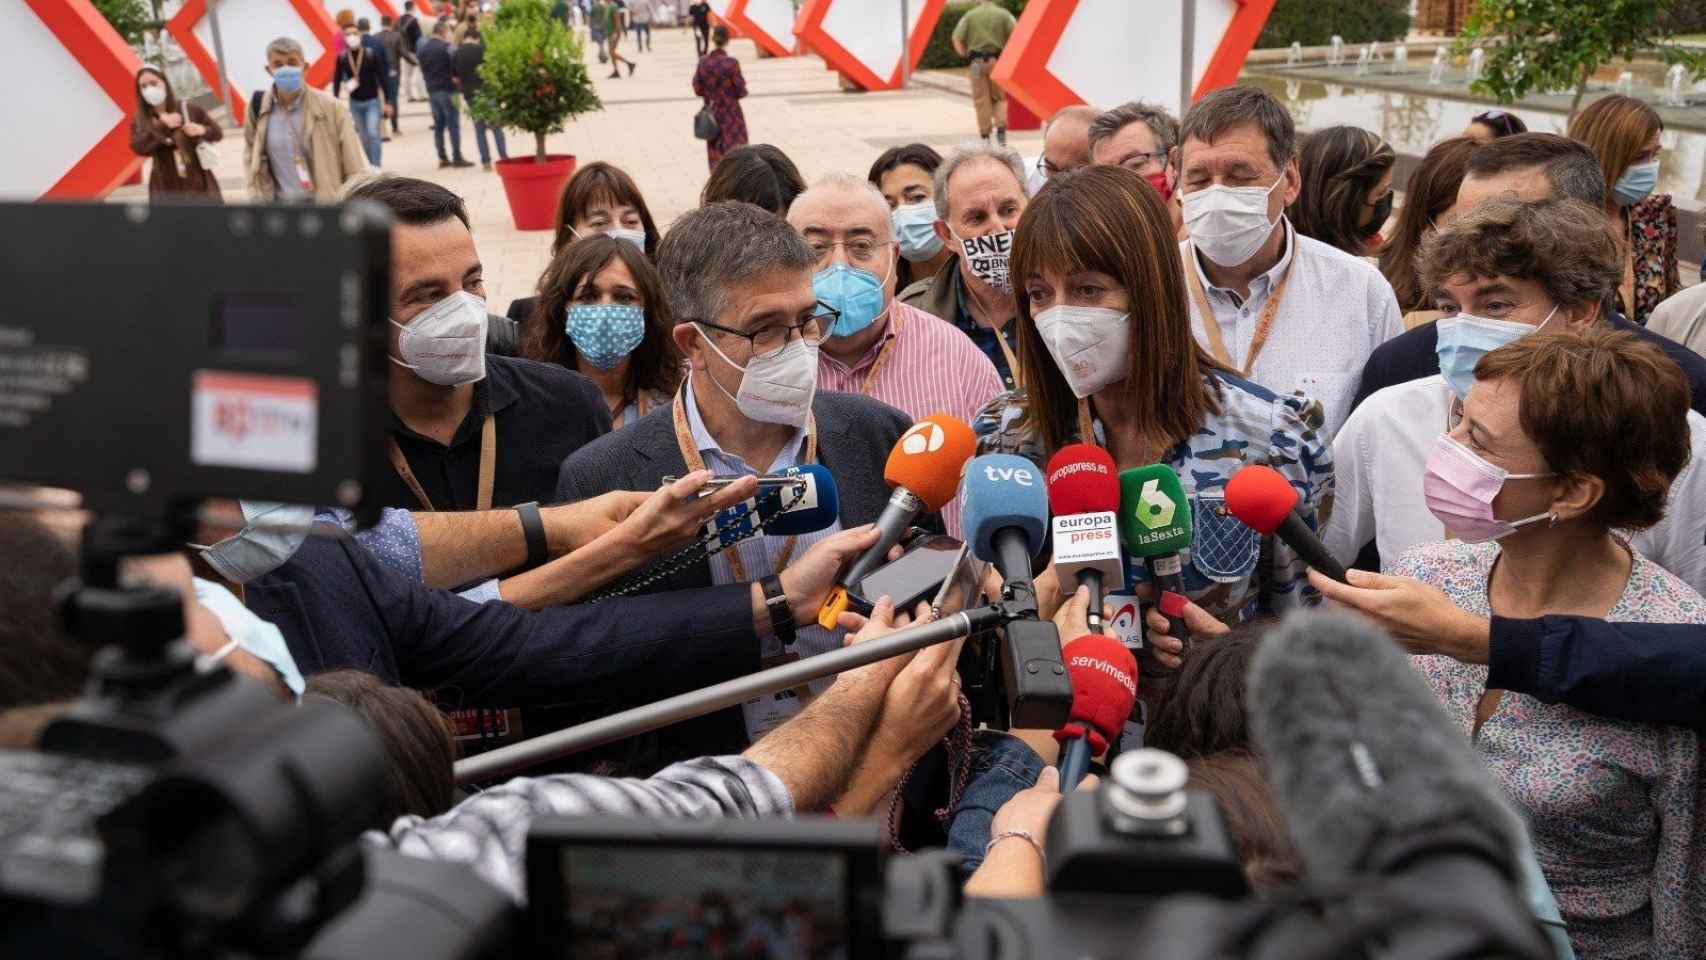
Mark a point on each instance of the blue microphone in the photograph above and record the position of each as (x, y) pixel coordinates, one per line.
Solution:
(816, 509)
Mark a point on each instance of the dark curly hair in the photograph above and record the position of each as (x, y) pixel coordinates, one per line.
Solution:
(1561, 244)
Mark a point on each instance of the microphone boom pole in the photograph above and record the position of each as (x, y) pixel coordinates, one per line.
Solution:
(697, 703)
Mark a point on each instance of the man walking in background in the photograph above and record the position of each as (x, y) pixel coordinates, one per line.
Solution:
(439, 70)
(467, 59)
(640, 15)
(979, 37)
(701, 14)
(409, 27)
(391, 40)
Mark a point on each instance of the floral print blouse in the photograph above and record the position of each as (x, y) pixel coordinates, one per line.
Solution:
(1652, 234)
(1611, 805)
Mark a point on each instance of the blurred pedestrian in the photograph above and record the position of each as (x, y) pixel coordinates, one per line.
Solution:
(168, 132)
(720, 83)
(640, 16)
(701, 14)
(364, 69)
(391, 39)
(979, 37)
(609, 16)
(409, 28)
(439, 69)
(468, 57)
(1624, 134)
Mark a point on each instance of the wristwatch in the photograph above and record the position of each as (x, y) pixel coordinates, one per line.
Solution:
(533, 528)
(781, 611)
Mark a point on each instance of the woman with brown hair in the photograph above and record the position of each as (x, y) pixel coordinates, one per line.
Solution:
(419, 752)
(1432, 191)
(1108, 357)
(1624, 134)
(601, 312)
(1347, 189)
(168, 132)
(599, 199)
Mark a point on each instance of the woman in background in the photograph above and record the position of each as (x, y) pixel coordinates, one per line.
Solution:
(1624, 134)
(167, 131)
(1493, 124)
(719, 82)
(1431, 192)
(1347, 189)
(907, 178)
(599, 199)
(759, 174)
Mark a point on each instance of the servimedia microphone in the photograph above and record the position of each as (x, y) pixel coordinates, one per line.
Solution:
(1155, 524)
(1085, 494)
(1006, 516)
(924, 470)
(1104, 689)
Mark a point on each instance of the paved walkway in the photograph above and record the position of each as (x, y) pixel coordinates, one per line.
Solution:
(646, 127)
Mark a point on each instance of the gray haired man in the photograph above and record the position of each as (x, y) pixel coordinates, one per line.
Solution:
(1140, 137)
(301, 143)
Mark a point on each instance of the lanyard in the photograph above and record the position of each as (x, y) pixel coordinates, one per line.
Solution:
(1087, 431)
(642, 401)
(1000, 335)
(690, 456)
(1211, 326)
(883, 353)
(488, 468)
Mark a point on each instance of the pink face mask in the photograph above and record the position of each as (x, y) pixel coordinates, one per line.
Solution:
(1460, 488)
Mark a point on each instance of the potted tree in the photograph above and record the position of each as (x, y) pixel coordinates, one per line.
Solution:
(535, 80)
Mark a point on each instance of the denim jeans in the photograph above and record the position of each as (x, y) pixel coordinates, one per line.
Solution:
(1001, 765)
(445, 116)
(367, 120)
(642, 35)
(480, 129)
(392, 82)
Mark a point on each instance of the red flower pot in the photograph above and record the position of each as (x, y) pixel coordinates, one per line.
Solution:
(533, 188)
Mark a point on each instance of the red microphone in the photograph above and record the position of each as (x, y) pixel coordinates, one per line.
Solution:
(1104, 689)
(1083, 495)
(1266, 502)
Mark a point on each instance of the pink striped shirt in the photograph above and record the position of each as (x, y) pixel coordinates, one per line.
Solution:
(929, 367)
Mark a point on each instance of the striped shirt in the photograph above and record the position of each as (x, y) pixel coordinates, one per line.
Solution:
(927, 367)
(489, 830)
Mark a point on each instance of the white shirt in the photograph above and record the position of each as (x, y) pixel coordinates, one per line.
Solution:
(1382, 451)
(1335, 310)
(756, 557)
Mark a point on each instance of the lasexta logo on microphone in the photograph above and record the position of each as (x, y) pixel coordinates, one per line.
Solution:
(1154, 508)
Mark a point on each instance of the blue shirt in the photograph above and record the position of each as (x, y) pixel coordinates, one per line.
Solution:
(284, 127)
(985, 337)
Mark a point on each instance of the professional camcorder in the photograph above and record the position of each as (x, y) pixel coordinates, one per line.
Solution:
(176, 811)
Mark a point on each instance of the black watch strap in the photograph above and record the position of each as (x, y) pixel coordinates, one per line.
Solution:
(533, 528)
(781, 612)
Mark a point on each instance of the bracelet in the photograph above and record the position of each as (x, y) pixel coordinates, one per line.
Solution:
(1024, 835)
(781, 613)
(533, 529)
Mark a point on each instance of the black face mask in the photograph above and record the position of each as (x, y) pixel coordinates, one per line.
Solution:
(1382, 213)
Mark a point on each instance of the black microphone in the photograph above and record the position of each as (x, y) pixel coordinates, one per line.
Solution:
(1373, 777)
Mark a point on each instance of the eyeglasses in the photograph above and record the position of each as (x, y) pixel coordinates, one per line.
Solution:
(770, 339)
(1138, 161)
(861, 251)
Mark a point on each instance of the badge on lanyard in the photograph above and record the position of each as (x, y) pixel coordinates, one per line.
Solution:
(772, 710)
(302, 175)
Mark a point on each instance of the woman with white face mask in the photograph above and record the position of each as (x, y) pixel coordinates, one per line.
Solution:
(1108, 358)
(1568, 435)
(171, 133)
(1624, 133)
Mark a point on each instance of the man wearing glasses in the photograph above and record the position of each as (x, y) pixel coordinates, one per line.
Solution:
(738, 281)
(1066, 145)
(1140, 136)
(879, 347)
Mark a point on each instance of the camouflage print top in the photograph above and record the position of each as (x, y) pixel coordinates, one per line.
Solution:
(1230, 570)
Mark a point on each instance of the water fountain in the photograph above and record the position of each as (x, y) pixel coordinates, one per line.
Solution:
(1400, 59)
(1364, 57)
(1295, 57)
(1337, 57)
(1436, 71)
(1477, 57)
(1625, 83)
(1673, 87)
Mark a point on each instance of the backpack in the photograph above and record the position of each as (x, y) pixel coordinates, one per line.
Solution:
(410, 28)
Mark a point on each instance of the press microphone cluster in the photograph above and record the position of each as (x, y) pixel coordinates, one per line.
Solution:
(1104, 690)
(924, 470)
(1265, 501)
(1085, 495)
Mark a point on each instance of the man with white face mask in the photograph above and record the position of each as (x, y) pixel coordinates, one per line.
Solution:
(1285, 311)
(1382, 453)
(469, 431)
(980, 195)
(739, 282)
(879, 347)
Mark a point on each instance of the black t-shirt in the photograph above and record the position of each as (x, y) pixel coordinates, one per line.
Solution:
(542, 412)
(701, 14)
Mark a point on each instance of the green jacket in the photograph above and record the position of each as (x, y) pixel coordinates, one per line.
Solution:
(985, 28)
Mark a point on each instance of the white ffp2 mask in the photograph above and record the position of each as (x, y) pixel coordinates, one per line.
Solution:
(446, 343)
(778, 388)
(1090, 345)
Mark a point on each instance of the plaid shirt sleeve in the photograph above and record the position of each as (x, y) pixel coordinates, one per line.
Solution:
(489, 830)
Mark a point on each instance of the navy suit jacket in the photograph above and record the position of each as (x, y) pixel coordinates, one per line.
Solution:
(1641, 672)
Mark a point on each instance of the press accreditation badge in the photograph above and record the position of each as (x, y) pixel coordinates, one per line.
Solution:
(254, 421)
(772, 710)
(303, 177)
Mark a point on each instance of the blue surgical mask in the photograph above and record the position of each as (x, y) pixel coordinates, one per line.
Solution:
(1637, 183)
(1465, 339)
(605, 333)
(249, 632)
(856, 294)
(287, 79)
(271, 535)
(915, 228)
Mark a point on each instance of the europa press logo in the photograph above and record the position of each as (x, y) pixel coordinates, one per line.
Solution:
(924, 437)
(1155, 509)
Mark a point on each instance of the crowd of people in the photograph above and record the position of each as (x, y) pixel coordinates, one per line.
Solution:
(1455, 373)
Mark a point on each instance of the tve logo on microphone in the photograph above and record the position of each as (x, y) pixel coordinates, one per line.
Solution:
(1023, 476)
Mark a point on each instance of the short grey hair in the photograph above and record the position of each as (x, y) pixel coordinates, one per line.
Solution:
(849, 183)
(1109, 123)
(285, 47)
(1230, 107)
(967, 153)
(713, 248)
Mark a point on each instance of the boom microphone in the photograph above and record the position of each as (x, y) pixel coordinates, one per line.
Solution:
(924, 469)
(1104, 689)
(1370, 772)
(1266, 502)
(1155, 524)
(1006, 515)
(1084, 495)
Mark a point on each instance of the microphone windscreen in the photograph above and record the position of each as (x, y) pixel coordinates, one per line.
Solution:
(1081, 480)
(1260, 497)
(1155, 517)
(816, 510)
(1359, 751)
(928, 459)
(1104, 688)
(1003, 490)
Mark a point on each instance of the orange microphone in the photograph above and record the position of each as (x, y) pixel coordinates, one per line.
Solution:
(924, 469)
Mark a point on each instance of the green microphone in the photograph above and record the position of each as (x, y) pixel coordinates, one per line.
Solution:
(1155, 524)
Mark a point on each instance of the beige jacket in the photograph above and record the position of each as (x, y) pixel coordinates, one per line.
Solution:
(328, 134)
